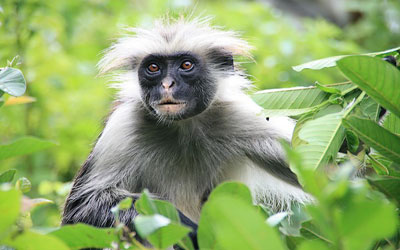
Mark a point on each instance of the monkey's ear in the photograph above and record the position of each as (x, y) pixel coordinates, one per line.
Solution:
(223, 59)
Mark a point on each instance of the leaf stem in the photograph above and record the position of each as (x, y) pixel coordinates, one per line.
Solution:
(345, 92)
(356, 102)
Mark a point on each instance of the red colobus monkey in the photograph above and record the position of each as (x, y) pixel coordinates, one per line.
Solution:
(182, 125)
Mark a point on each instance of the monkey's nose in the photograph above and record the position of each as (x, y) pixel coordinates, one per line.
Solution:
(168, 83)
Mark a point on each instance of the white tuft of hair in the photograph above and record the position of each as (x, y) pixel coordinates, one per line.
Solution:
(169, 36)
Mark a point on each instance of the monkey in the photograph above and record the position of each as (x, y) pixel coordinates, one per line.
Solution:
(182, 124)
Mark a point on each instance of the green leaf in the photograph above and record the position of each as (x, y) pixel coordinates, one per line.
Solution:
(364, 221)
(147, 206)
(168, 235)
(7, 176)
(377, 165)
(314, 245)
(294, 101)
(385, 142)
(307, 176)
(234, 189)
(327, 89)
(352, 141)
(380, 80)
(148, 224)
(205, 232)
(186, 243)
(12, 81)
(29, 204)
(311, 231)
(319, 64)
(369, 108)
(388, 185)
(124, 204)
(392, 123)
(34, 241)
(236, 225)
(323, 138)
(384, 53)
(296, 141)
(160, 231)
(23, 146)
(79, 236)
(23, 184)
(331, 61)
(10, 203)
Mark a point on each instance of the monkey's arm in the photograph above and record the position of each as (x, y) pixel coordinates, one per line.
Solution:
(269, 155)
(94, 207)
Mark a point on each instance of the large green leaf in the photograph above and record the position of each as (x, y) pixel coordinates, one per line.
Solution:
(296, 141)
(160, 230)
(331, 61)
(322, 139)
(293, 101)
(385, 142)
(84, 236)
(389, 185)
(314, 244)
(23, 146)
(147, 206)
(392, 123)
(369, 108)
(319, 64)
(12, 81)
(364, 220)
(34, 241)
(168, 235)
(10, 202)
(148, 224)
(379, 79)
(233, 189)
(236, 225)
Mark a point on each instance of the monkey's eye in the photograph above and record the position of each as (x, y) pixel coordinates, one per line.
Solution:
(153, 68)
(187, 65)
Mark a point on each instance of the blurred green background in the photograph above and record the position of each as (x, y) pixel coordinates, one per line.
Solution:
(58, 44)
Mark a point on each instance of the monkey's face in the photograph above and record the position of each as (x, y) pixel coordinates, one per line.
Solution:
(175, 86)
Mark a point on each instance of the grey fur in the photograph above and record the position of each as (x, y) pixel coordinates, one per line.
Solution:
(182, 161)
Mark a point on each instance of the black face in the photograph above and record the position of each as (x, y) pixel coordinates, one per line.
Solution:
(176, 86)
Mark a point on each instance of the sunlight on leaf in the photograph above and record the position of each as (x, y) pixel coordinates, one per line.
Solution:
(12, 81)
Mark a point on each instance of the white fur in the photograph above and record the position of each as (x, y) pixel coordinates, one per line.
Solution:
(166, 38)
(114, 151)
(266, 188)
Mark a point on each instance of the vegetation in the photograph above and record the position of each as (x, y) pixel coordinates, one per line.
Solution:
(340, 135)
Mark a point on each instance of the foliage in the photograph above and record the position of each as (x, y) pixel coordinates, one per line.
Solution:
(58, 44)
(348, 213)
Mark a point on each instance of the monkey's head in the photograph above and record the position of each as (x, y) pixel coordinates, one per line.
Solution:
(177, 68)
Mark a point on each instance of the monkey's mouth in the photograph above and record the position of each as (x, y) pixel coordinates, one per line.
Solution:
(170, 106)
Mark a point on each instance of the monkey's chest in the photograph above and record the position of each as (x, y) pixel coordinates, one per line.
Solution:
(184, 172)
